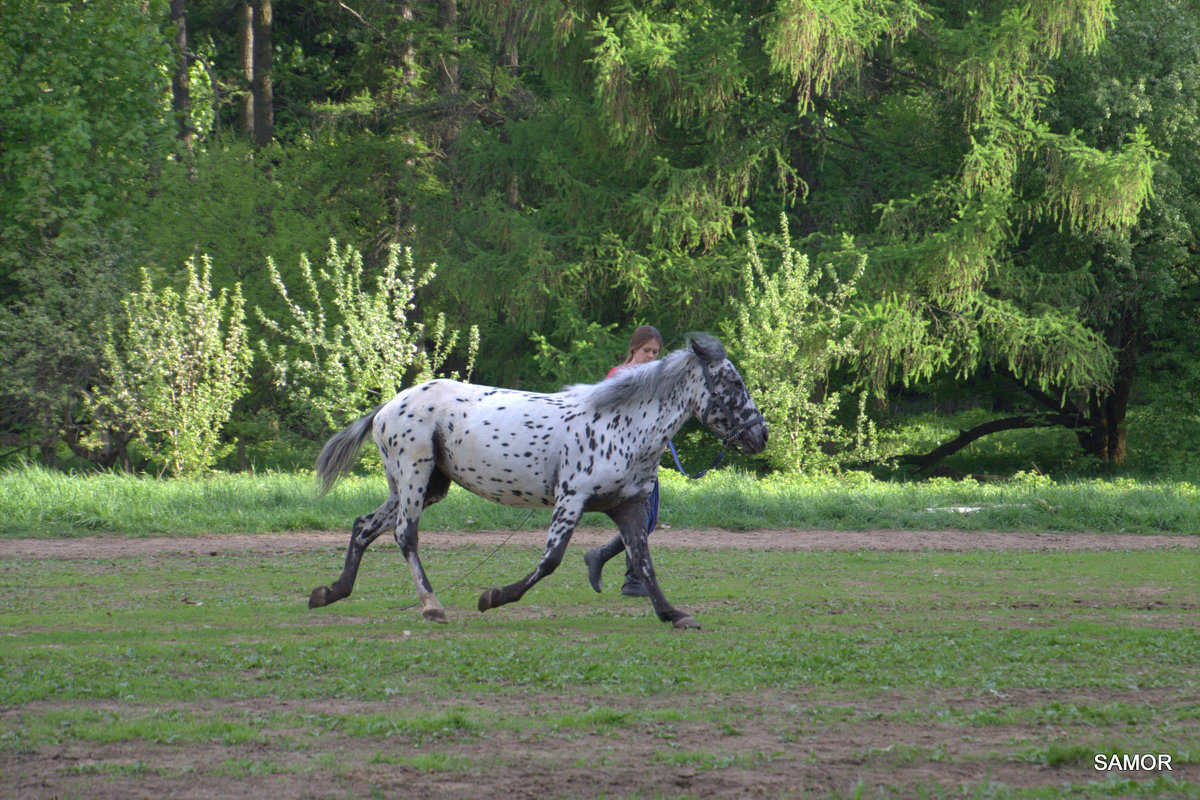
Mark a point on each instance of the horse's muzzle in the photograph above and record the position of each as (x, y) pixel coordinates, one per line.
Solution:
(753, 439)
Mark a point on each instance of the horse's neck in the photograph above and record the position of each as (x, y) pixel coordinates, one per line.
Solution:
(677, 404)
(691, 389)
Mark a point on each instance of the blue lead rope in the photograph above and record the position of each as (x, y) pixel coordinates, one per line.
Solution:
(653, 500)
(700, 474)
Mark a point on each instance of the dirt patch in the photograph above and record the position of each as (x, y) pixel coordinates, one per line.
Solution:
(788, 539)
(774, 744)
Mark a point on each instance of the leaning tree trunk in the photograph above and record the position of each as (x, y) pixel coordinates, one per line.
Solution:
(1099, 426)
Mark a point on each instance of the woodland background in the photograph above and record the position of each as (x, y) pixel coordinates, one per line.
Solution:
(897, 213)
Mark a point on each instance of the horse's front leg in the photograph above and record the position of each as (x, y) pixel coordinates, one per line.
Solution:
(567, 514)
(631, 520)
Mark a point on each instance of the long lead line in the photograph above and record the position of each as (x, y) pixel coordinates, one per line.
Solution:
(462, 578)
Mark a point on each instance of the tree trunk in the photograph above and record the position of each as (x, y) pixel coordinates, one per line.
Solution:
(181, 97)
(447, 21)
(1106, 437)
(260, 85)
(48, 450)
(408, 58)
(508, 60)
(402, 213)
(448, 75)
(246, 58)
(113, 443)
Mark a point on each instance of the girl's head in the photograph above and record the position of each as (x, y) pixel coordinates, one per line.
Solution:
(645, 345)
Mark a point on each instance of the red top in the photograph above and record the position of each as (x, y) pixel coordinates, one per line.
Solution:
(618, 368)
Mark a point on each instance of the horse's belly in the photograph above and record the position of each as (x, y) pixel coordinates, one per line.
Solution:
(505, 488)
(512, 477)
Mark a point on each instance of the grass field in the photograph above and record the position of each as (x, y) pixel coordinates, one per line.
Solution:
(817, 675)
(37, 502)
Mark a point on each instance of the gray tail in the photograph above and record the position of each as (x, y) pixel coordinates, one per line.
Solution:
(337, 456)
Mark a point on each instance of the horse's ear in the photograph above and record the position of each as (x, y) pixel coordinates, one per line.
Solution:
(708, 348)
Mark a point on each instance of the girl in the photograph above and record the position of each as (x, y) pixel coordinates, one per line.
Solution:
(644, 346)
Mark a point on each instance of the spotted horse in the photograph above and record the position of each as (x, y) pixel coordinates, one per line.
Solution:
(590, 447)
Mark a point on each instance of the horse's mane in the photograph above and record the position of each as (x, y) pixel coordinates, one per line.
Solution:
(649, 380)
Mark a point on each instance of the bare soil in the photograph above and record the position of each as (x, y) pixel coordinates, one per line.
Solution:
(806, 743)
(663, 537)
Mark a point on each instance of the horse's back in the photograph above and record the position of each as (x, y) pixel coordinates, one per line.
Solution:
(501, 444)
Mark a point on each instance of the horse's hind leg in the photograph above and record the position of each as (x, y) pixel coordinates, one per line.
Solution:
(631, 519)
(366, 530)
(406, 536)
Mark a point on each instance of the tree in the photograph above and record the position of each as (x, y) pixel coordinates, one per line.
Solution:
(1095, 244)
(1137, 284)
(925, 131)
(245, 27)
(82, 125)
(174, 367)
(181, 98)
(1016, 184)
(345, 348)
(614, 191)
(81, 119)
(51, 345)
(793, 334)
(949, 165)
(261, 86)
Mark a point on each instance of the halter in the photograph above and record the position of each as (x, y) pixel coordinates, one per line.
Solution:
(724, 407)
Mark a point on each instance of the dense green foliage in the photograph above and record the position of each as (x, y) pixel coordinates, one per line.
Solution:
(81, 88)
(1019, 180)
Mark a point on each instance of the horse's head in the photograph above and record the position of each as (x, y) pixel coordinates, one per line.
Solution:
(728, 410)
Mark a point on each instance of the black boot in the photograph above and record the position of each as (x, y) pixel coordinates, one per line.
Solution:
(597, 557)
(633, 586)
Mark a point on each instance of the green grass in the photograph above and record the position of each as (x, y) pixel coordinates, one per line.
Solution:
(37, 502)
(1022, 665)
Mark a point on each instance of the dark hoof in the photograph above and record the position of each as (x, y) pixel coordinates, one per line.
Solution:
(686, 621)
(635, 588)
(489, 599)
(595, 566)
(319, 597)
(435, 615)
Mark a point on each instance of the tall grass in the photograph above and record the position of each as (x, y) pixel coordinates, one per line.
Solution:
(38, 502)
